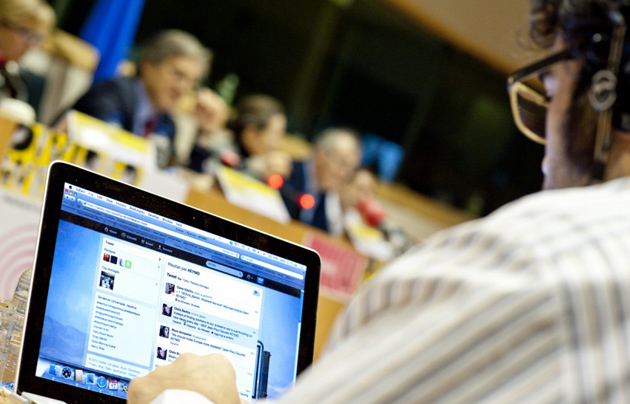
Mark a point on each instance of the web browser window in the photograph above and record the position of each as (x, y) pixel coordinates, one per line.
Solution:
(131, 290)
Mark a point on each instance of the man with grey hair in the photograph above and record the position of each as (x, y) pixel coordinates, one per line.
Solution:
(171, 65)
(311, 192)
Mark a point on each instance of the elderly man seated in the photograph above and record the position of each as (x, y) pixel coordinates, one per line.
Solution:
(171, 65)
(311, 193)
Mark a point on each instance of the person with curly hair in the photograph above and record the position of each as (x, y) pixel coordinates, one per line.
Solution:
(528, 305)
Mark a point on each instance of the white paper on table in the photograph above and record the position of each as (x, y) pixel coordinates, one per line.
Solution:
(367, 240)
(253, 195)
(166, 184)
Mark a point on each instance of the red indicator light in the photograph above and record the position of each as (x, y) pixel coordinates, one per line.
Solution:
(275, 181)
(307, 201)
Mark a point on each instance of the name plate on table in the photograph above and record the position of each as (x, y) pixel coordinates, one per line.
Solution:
(369, 241)
(109, 150)
(342, 267)
(251, 194)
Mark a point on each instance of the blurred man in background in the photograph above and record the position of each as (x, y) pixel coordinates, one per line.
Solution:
(336, 157)
(23, 25)
(529, 305)
(171, 65)
(366, 221)
(363, 186)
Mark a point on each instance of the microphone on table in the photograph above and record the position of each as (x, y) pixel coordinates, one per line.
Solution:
(372, 212)
(375, 215)
(230, 158)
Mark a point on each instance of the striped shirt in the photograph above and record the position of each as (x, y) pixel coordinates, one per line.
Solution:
(528, 305)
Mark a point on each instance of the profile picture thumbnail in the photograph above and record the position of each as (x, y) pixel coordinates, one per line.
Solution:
(164, 331)
(110, 258)
(107, 280)
(169, 288)
(167, 310)
(161, 353)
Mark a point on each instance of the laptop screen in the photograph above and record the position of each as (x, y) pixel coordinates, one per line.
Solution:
(130, 290)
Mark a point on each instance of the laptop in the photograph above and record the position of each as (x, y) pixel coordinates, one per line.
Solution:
(125, 281)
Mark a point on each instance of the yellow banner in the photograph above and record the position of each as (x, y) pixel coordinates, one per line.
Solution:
(92, 144)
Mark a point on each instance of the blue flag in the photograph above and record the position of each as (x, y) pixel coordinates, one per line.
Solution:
(111, 28)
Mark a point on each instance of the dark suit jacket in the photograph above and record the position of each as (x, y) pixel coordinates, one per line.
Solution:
(298, 184)
(35, 85)
(115, 101)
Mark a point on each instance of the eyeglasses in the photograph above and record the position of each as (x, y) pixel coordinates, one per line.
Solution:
(528, 101)
(28, 35)
(341, 162)
(529, 106)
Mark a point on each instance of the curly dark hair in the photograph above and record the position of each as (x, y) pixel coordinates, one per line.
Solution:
(575, 21)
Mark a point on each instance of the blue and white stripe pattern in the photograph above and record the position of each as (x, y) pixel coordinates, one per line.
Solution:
(529, 305)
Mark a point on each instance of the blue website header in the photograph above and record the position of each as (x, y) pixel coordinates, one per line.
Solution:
(169, 233)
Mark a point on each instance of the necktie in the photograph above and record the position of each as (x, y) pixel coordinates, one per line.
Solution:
(149, 126)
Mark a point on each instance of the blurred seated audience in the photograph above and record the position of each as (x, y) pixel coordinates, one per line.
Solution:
(311, 193)
(171, 65)
(361, 207)
(23, 25)
(213, 114)
(360, 190)
(201, 118)
(214, 142)
(258, 127)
